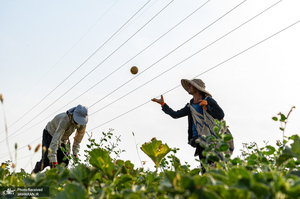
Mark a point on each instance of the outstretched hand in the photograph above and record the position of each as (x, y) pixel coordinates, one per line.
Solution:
(160, 101)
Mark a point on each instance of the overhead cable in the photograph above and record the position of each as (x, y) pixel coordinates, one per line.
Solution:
(204, 71)
(70, 76)
(63, 55)
(167, 54)
(232, 57)
(118, 67)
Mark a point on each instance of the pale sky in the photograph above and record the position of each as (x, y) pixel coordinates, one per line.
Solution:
(56, 55)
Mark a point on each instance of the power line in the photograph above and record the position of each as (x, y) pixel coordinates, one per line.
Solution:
(189, 56)
(232, 57)
(97, 65)
(215, 65)
(72, 74)
(172, 52)
(168, 54)
(80, 64)
(138, 16)
(179, 64)
(120, 66)
(139, 53)
(63, 56)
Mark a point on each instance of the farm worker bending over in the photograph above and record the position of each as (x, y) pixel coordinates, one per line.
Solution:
(201, 111)
(56, 134)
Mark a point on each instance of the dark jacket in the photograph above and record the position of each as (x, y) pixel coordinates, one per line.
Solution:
(212, 108)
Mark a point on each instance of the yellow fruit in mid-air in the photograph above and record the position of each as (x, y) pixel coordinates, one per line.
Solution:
(134, 70)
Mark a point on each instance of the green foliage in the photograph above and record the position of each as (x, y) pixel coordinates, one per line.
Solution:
(100, 159)
(156, 150)
(107, 142)
(261, 172)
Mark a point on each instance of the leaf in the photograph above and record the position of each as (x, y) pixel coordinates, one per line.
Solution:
(270, 151)
(83, 174)
(216, 129)
(241, 176)
(264, 160)
(213, 157)
(72, 190)
(100, 158)
(224, 147)
(220, 176)
(282, 117)
(155, 150)
(195, 171)
(236, 161)
(236, 193)
(186, 182)
(123, 179)
(251, 162)
(253, 156)
(275, 118)
(227, 137)
(127, 167)
(296, 145)
(286, 155)
(260, 189)
(294, 191)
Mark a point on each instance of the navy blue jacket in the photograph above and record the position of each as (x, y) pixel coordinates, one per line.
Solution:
(212, 108)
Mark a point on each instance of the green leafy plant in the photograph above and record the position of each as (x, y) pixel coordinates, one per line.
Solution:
(108, 142)
(156, 151)
(261, 172)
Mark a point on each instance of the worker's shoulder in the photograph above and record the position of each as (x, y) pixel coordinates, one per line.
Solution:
(210, 100)
(63, 116)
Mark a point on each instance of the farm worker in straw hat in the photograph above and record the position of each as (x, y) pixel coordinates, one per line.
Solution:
(201, 112)
(56, 135)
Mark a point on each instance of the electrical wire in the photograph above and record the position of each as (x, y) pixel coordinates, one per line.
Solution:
(18, 100)
(175, 66)
(168, 54)
(204, 71)
(70, 76)
(138, 16)
(197, 9)
(158, 60)
(173, 51)
(94, 67)
(232, 57)
(76, 70)
(186, 58)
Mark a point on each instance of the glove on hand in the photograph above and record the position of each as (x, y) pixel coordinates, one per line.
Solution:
(160, 101)
(203, 103)
(53, 164)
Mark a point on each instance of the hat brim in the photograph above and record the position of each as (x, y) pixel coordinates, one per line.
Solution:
(185, 84)
(80, 120)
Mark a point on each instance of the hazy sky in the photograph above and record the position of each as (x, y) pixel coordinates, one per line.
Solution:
(56, 55)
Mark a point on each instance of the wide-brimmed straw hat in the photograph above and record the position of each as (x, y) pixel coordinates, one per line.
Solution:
(197, 83)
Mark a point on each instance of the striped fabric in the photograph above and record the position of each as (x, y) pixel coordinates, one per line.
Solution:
(205, 124)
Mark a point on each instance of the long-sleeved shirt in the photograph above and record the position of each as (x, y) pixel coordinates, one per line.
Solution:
(212, 108)
(60, 128)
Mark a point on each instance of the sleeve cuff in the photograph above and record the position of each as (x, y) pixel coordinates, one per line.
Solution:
(52, 159)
